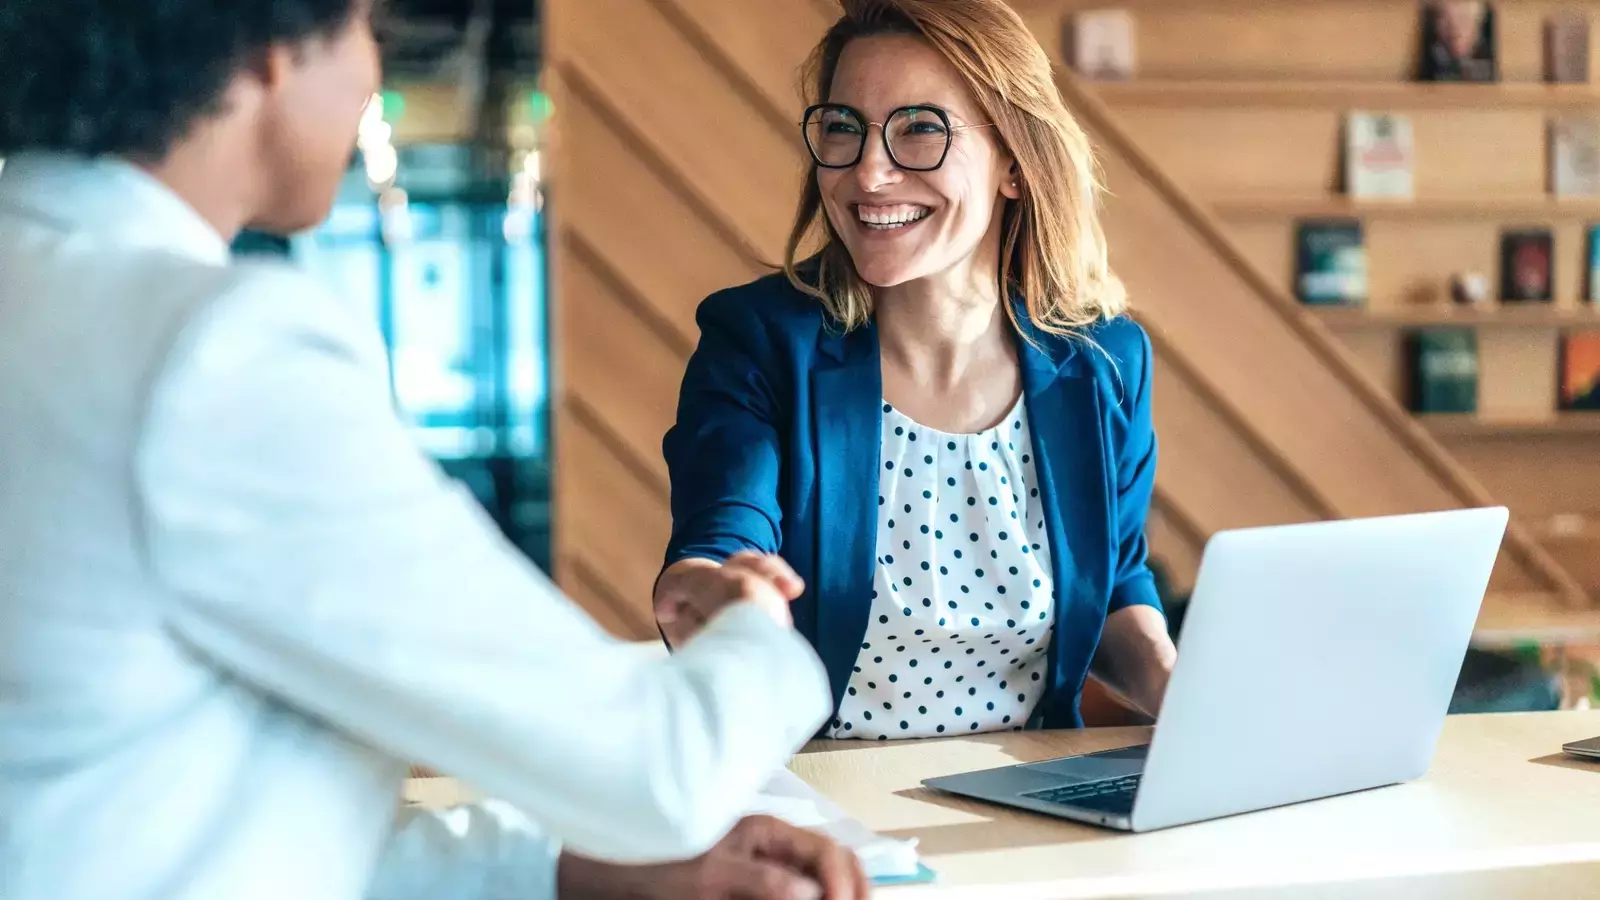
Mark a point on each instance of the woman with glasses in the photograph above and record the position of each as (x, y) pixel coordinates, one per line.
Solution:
(933, 433)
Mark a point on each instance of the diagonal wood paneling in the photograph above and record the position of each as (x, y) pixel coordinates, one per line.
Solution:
(615, 520)
(640, 223)
(615, 361)
(720, 142)
(676, 175)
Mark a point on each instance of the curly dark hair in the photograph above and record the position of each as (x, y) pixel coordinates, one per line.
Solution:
(132, 77)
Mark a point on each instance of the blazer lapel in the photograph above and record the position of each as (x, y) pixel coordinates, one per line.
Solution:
(847, 397)
(1070, 461)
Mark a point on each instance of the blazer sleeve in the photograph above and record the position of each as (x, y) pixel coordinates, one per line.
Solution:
(1134, 584)
(724, 453)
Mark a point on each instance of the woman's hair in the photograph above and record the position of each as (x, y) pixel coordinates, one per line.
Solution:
(1053, 253)
(132, 77)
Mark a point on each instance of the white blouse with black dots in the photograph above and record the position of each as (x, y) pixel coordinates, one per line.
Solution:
(961, 612)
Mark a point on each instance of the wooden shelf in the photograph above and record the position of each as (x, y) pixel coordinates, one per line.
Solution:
(1531, 208)
(1386, 95)
(1470, 425)
(1493, 314)
(1508, 620)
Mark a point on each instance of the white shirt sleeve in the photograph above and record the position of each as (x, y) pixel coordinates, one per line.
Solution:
(316, 553)
(486, 850)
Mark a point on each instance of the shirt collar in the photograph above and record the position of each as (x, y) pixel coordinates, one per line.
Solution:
(111, 198)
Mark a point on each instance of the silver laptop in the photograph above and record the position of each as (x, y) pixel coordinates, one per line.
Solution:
(1589, 748)
(1315, 659)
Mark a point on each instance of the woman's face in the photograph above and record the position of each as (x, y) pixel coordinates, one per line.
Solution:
(900, 225)
(310, 118)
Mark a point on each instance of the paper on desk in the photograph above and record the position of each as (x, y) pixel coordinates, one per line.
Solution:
(789, 798)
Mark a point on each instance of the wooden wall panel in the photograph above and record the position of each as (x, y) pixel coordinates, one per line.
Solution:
(1211, 471)
(614, 525)
(626, 57)
(631, 212)
(615, 361)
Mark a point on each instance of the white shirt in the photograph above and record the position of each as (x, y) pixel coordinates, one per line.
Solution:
(961, 610)
(235, 602)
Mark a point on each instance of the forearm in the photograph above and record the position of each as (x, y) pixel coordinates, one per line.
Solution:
(581, 878)
(1136, 656)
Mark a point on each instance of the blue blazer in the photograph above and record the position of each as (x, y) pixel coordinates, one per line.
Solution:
(776, 449)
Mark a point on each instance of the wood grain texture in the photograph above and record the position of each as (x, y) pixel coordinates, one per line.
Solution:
(1498, 797)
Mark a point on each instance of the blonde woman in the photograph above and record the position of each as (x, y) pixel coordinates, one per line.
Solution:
(933, 434)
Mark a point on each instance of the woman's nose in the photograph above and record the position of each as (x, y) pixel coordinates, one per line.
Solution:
(876, 170)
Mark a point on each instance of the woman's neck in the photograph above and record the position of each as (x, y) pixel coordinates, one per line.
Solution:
(937, 331)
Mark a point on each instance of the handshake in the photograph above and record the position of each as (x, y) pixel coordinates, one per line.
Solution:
(691, 592)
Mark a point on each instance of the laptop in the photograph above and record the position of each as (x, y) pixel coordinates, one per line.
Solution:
(1589, 748)
(1315, 659)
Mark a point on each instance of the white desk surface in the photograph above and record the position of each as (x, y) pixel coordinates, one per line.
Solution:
(1502, 814)
(1500, 796)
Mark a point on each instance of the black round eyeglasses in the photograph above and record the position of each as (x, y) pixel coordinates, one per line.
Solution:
(916, 137)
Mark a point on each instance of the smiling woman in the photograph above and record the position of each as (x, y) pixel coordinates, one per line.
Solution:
(957, 349)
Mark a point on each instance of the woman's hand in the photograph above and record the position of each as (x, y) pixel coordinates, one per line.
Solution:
(762, 858)
(692, 591)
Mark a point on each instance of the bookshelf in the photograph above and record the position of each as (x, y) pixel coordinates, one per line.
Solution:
(1535, 208)
(1502, 315)
(1455, 425)
(1391, 95)
(1256, 131)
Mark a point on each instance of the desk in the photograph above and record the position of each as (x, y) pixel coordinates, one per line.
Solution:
(1502, 814)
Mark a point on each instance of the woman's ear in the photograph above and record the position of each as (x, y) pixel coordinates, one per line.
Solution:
(1011, 183)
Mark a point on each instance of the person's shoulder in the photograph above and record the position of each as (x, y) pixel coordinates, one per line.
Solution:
(770, 306)
(1115, 352)
(252, 310)
(1122, 339)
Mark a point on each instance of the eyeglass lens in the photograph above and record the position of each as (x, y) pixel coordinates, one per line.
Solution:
(917, 137)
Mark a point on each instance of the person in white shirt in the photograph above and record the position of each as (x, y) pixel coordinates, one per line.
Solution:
(236, 602)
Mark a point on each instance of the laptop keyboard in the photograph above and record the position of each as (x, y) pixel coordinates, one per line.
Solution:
(1114, 795)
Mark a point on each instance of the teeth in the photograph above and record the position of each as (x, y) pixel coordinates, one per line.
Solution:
(898, 216)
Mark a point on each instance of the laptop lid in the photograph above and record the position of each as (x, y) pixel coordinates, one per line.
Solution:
(1316, 659)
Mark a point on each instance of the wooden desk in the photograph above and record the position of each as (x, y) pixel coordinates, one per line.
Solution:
(1501, 814)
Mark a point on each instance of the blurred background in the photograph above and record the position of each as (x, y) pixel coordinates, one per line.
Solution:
(1363, 244)
(440, 230)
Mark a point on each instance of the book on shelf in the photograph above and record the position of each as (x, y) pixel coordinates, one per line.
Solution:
(1580, 371)
(1442, 370)
(1379, 155)
(1458, 41)
(1575, 156)
(1566, 47)
(1102, 44)
(1526, 258)
(1330, 262)
(1591, 287)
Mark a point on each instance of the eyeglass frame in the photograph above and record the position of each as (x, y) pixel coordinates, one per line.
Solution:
(883, 132)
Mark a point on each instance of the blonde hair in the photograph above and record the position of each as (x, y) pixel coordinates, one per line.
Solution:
(1053, 252)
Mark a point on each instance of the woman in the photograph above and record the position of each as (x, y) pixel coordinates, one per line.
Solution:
(235, 600)
(941, 420)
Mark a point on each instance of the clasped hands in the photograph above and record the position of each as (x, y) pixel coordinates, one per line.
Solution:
(764, 858)
(691, 592)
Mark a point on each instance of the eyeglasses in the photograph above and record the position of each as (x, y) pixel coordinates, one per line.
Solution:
(917, 137)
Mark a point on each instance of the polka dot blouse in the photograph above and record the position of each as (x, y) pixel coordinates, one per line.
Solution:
(961, 611)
